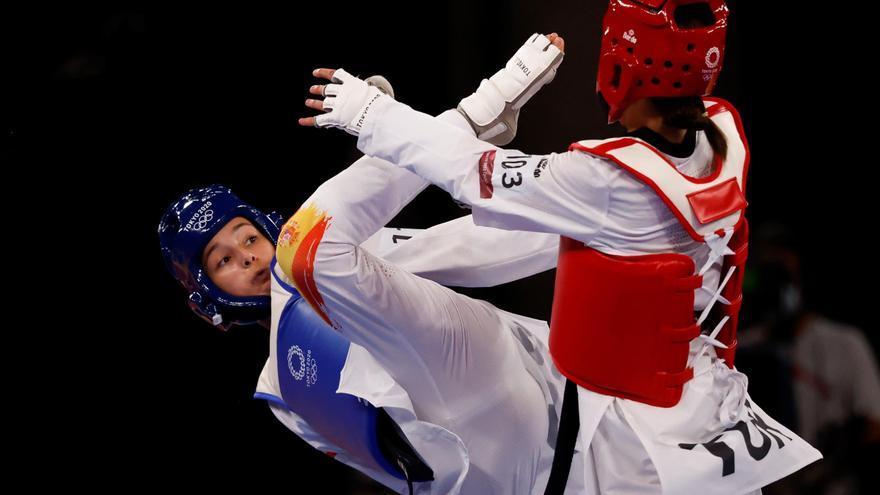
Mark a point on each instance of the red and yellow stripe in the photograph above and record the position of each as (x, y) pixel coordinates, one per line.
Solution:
(296, 250)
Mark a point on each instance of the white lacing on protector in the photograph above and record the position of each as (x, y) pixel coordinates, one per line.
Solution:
(718, 249)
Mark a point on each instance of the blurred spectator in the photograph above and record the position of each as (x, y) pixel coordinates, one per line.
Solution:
(817, 375)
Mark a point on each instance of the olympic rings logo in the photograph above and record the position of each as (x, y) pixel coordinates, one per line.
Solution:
(203, 220)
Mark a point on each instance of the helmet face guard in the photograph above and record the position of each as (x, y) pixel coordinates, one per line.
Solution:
(660, 48)
(184, 231)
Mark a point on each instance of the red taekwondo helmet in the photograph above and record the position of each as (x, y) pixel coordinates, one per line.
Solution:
(660, 48)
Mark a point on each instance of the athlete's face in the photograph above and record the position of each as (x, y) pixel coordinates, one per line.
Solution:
(237, 259)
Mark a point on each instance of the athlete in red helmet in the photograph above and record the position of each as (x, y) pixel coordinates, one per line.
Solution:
(653, 245)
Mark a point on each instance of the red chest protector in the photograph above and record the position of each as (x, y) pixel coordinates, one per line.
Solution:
(621, 325)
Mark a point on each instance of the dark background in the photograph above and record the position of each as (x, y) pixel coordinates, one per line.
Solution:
(118, 110)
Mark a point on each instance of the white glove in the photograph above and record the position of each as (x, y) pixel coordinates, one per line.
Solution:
(493, 110)
(348, 102)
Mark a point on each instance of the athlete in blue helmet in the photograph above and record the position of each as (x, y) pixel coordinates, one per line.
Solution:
(219, 247)
(372, 360)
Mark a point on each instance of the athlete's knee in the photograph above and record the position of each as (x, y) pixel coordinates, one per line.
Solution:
(305, 250)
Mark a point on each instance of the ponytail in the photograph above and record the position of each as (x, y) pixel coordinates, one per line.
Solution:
(690, 113)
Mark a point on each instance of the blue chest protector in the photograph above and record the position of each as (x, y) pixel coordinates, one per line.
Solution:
(310, 358)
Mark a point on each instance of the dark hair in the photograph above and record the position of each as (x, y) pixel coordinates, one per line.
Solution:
(690, 113)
